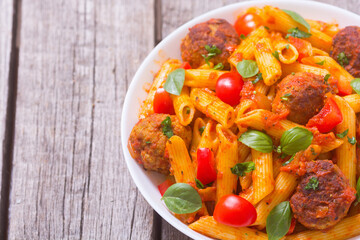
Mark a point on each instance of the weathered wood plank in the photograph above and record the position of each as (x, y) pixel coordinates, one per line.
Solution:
(69, 178)
(7, 47)
(174, 14)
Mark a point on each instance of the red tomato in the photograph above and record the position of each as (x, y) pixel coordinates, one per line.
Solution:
(228, 88)
(164, 186)
(329, 116)
(234, 211)
(304, 47)
(185, 65)
(344, 88)
(292, 226)
(206, 172)
(163, 102)
(246, 23)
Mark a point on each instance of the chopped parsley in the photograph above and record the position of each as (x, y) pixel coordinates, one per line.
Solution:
(187, 110)
(242, 36)
(287, 46)
(201, 130)
(219, 66)
(166, 127)
(352, 140)
(147, 142)
(312, 184)
(313, 151)
(321, 63)
(212, 52)
(199, 184)
(258, 78)
(266, 27)
(326, 78)
(343, 134)
(276, 55)
(289, 161)
(285, 97)
(293, 73)
(241, 168)
(297, 33)
(342, 59)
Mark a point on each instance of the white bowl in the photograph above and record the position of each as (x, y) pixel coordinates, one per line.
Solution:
(170, 48)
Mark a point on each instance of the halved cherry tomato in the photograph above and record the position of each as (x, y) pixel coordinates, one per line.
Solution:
(246, 23)
(164, 186)
(185, 65)
(303, 47)
(292, 226)
(163, 102)
(344, 88)
(228, 88)
(234, 211)
(329, 116)
(206, 172)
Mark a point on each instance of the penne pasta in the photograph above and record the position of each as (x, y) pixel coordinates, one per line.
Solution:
(288, 69)
(287, 52)
(199, 127)
(202, 78)
(354, 101)
(184, 108)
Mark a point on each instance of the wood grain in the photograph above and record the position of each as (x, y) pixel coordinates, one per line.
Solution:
(69, 177)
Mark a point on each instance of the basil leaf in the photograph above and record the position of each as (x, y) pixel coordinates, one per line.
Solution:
(166, 127)
(279, 220)
(295, 140)
(276, 55)
(199, 184)
(343, 134)
(355, 84)
(257, 140)
(289, 161)
(241, 168)
(175, 81)
(247, 68)
(352, 140)
(312, 184)
(181, 198)
(297, 18)
(358, 191)
(342, 59)
(297, 33)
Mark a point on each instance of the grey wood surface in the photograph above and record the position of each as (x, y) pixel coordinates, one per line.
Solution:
(67, 176)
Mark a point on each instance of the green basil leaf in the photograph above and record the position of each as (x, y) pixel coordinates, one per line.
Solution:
(297, 18)
(295, 140)
(312, 184)
(355, 84)
(289, 161)
(352, 140)
(343, 134)
(166, 127)
(279, 220)
(358, 191)
(181, 198)
(241, 168)
(297, 33)
(199, 184)
(247, 68)
(175, 81)
(257, 140)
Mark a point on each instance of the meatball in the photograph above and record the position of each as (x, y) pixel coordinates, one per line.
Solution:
(301, 95)
(147, 141)
(347, 43)
(323, 196)
(215, 32)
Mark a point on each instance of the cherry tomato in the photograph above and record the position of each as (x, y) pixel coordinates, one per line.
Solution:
(292, 226)
(185, 65)
(163, 102)
(206, 172)
(234, 211)
(164, 186)
(228, 88)
(329, 116)
(246, 23)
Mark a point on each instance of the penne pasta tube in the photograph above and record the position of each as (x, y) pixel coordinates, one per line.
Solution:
(346, 228)
(262, 176)
(245, 181)
(354, 101)
(160, 79)
(268, 65)
(209, 137)
(261, 87)
(346, 153)
(287, 52)
(202, 78)
(199, 127)
(330, 29)
(184, 108)
(226, 158)
(288, 69)
(247, 47)
(208, 103)
(319, 52)
(209, 227)
(248, 194)
(181, 166)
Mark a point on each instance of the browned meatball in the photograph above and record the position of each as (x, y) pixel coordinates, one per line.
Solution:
(147, 141)
(215, 32)
(347, 43)
(323, 196)
(301, 95)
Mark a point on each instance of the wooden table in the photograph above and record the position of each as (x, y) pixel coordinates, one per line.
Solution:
(65, 67)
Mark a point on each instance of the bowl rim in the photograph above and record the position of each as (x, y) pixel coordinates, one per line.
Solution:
(183, 228)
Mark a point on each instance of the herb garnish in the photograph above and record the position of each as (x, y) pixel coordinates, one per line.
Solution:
(257, 140)
(241, 168)
(312, 184)
(355, 84)
(276, 55)
(258, 78)
(285, 97)
(278, 221)
(175, 81)
(199, 184)
(342, 59)
(343, 134)
(166, 127)
(352, 140)
(212, 52)
(219, 66)
(321, 63)
(297, 33)
(247, 68)
(326, 78)
(201, 130)
(297, 18)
